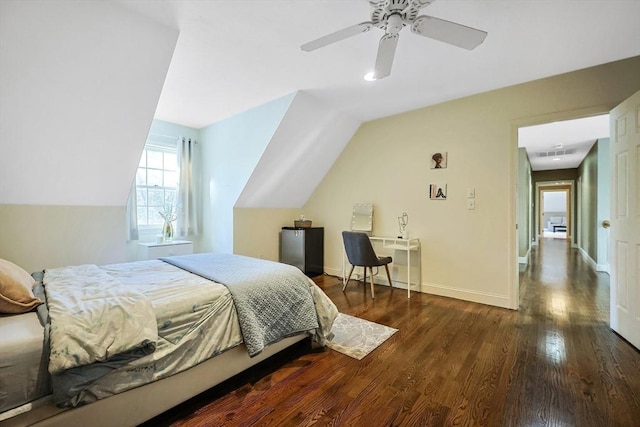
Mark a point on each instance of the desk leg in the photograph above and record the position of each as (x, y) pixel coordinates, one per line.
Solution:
(344, 268)
(408, 272)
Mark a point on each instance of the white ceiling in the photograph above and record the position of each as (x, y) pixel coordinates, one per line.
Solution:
(234, 55)
(562, 145)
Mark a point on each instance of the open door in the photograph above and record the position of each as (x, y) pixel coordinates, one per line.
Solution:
(625, 220)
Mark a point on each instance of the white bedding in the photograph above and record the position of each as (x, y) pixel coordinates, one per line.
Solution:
(95, 317)
(195, 321)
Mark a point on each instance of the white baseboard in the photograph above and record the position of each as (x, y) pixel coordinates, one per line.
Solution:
(377, 279)
(524, 259)
(444, 291)
(589, 260)
(334, 271)
(466, 295)
(603, 268)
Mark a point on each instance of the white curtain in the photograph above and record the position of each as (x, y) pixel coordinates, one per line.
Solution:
(187, 223)
(132, 214)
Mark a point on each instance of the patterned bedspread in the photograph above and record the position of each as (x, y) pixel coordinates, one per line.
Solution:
(273, 300)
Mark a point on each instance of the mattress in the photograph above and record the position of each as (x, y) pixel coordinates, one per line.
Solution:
(23, 364)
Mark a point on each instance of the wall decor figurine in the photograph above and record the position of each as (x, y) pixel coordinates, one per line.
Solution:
(438, 191)
(403, 220)
(439, 160)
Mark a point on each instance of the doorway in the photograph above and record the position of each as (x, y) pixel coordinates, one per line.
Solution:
(557, 163)
(554, 214)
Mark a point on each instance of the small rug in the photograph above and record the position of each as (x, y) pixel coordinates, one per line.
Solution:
(357, 337)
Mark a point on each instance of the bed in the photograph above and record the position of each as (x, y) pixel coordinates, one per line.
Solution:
(170, 330)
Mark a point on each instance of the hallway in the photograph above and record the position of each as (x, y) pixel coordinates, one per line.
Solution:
(580, 372)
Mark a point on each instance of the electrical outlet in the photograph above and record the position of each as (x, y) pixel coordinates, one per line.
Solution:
(471, 204)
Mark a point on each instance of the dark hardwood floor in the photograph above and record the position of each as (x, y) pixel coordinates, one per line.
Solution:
(554, 362)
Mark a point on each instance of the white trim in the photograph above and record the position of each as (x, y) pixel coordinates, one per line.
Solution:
(440, 290)
(377, 278)
(466, 295)
(525, 259)
(604, 268)
(587, 258)
(163, 142)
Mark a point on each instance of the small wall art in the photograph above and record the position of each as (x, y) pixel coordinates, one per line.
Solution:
(438, 191)
(439, 160)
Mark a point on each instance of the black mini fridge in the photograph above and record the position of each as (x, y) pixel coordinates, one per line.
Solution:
(303, 248)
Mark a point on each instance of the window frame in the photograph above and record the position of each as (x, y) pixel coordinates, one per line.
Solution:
(163, 147)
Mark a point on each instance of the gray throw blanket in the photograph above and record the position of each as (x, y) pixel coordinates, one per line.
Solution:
(273, 300)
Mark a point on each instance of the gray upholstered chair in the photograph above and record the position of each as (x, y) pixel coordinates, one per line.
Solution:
(361, 254)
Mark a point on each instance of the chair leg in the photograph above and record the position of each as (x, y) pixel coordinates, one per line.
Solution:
(373, 295)
(348, 277)
(364, 279)
(386, 267)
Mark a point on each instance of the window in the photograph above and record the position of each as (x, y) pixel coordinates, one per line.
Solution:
(156, 183)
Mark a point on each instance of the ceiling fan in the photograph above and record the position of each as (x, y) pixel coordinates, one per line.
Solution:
(391, 16)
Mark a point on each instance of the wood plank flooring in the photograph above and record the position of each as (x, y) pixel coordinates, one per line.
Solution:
(554, 362)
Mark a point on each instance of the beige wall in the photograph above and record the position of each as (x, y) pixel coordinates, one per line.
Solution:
(465, 254)
(259, 234)
(37, 237)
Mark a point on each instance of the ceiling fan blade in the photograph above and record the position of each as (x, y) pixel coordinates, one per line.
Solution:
(386, 52)
(339, 35)
(448, 32)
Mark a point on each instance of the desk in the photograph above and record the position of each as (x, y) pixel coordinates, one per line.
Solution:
(394, 244)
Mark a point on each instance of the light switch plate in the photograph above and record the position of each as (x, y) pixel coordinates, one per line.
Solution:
(471, 193)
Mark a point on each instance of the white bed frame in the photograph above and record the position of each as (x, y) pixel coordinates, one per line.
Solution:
(135, 406)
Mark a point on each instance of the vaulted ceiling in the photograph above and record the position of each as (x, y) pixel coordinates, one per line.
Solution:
(237, 54)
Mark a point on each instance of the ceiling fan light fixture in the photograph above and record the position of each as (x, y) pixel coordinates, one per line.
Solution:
(393, 15)
(370, 77)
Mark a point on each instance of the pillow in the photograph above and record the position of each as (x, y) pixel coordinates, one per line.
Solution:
(16, 295)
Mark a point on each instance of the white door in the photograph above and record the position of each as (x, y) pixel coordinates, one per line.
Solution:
(625, 220)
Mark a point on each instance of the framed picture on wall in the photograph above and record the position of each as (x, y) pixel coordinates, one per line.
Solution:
(439, 160)
(438, 191)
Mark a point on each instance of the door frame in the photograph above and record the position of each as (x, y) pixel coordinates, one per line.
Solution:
(514, 266)
(566, 186)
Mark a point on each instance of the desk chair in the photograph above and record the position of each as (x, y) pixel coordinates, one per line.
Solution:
(361, 254)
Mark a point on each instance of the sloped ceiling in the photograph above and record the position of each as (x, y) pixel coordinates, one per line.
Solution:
(306, 143)
(80, 82)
